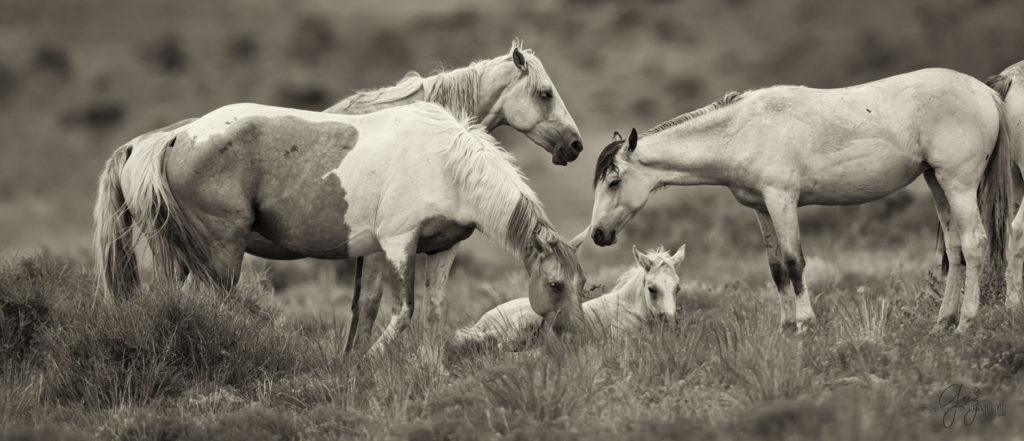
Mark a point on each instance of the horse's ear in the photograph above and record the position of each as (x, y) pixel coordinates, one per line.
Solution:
(579, 239)
(616, 136)
(679, 256)
(641, 259)
(632, 140)
(519, 59)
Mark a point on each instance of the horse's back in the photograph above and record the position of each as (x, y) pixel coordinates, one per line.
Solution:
(856, 144)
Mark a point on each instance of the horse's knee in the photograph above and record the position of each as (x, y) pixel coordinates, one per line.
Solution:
(794, 264)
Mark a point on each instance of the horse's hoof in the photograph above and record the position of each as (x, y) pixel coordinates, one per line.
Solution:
(804, 326)
(789, 327)
(963, 327)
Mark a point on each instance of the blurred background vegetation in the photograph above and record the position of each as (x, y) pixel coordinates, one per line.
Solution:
(80, 77)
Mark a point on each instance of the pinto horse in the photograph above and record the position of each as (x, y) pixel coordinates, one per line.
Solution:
(787, 146)
(512, 89)
(399, 181)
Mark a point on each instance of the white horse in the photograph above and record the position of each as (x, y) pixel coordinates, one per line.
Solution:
(786, 146)
(400, 181)
(643, 295)
(1010, 85)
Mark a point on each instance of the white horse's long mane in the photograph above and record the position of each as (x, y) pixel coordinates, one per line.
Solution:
(486, 174)
(455, 90)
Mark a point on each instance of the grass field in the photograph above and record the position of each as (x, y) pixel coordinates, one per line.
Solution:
(78, 78)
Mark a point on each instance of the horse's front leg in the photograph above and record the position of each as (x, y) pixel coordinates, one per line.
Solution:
(779, 273)
(438, 267)
(782, 210)
(400, 252)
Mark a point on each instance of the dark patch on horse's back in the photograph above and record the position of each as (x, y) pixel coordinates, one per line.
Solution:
(606, 161)
(300, 204)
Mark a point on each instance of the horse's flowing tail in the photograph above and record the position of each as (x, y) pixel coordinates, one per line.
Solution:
(146, 202)
(117, 270)
(994, 197)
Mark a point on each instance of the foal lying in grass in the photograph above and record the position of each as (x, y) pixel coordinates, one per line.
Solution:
(643, 295)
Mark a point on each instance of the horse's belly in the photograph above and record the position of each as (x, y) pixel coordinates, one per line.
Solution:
(858, 174)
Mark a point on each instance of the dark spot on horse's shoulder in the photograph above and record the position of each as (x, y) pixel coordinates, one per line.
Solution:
(869, 110)
(294, 148)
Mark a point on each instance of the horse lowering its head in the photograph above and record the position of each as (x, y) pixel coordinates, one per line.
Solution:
(512, 89)
(616, 199)
(660, 282)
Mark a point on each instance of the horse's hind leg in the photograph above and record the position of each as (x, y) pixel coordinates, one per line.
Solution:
(779, 273)
(963, 204)
(375, 267)
(951, 237)
(401, 256)
(227, 251)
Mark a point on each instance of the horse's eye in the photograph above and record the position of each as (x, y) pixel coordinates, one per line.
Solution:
(653, 291)
(614, 183)
(545, 94)
(555, 286)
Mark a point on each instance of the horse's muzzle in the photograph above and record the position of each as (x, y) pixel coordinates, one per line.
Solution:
(566, 154)
(602, 239)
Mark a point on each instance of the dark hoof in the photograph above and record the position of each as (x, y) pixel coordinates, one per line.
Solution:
(945, 324)
(789, 327)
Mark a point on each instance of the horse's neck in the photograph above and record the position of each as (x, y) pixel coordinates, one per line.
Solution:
(692, 153)
(624, 305)
(459, 92)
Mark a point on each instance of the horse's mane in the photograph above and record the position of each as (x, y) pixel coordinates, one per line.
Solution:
(454, 89)
(724, 101)
(495, 186)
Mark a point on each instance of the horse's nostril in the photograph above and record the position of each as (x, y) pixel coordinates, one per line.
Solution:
(598, 236)
(577, 146)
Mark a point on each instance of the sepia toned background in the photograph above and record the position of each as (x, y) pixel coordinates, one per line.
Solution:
(80, 77)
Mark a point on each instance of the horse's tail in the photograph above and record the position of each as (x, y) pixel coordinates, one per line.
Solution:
(994, 199)
(994, 192)
(177, 245)
(117, 270)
